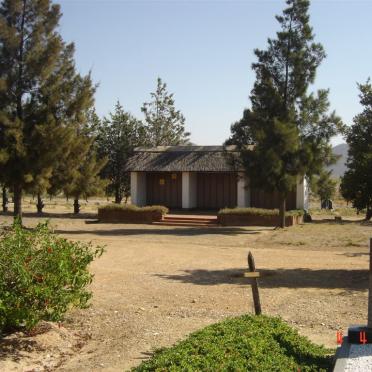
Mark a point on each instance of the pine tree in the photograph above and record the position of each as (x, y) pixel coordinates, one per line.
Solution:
(165, 124)
(356, 184)
(324, 186)
(86, 181)
(77, 174)
(42, 99)
(117, 137)
(289, 128)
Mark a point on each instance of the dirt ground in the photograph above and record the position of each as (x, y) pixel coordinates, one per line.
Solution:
(156, 284)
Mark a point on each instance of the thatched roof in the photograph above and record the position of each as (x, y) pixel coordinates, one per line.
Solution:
(183, 159)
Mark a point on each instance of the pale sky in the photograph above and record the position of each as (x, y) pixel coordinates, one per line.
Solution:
(203, 50)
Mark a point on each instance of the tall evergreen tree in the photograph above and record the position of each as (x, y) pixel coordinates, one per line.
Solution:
(165, 124)
(324, 186)
(117, 137)
(42, 99)
(77, 174)
(356, 184)
(289, 128)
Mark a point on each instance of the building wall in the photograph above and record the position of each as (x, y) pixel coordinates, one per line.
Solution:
(138, 188)
(243, 191)
(245, 197)
(302, 194)
(189, 197)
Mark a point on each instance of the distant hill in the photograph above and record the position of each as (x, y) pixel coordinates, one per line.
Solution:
(339, 168)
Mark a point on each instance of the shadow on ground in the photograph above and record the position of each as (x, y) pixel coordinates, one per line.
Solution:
(80, 216)
(287, 278)
(16, 347)
(184, 231)
(331, 221)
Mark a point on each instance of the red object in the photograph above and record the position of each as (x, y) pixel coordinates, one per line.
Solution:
(362, 337)
(339, 337)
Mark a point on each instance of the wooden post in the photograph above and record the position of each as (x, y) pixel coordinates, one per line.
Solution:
(369, 323)
(255, 293)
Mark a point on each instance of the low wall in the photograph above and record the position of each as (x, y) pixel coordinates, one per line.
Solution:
(256, 220)
(128, 216)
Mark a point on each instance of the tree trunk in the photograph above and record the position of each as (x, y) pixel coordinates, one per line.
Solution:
(18, 202)
(369, 213)
(40, 204)
(5, 200)
(369, 324)
(76, 206)
(282, 208)
(118, 197)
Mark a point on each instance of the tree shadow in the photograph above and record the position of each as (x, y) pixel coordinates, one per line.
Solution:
(80, 216)
(17, 348)
(331, 221)
(179, 231)
(356, 280)
(353, 254)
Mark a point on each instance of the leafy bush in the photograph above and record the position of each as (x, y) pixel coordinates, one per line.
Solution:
(259, 212)
(246, 343)
(41, 275)
(134, 208)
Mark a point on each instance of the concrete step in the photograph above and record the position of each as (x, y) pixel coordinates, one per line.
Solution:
(189, 220)
(185, 224)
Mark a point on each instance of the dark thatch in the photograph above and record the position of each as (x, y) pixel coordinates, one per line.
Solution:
(183, 159)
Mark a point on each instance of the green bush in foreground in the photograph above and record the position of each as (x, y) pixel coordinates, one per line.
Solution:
(134, 208)
(41, 275)
(246, 343)
(259, 212)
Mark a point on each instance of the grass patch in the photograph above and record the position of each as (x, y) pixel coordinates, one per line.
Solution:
(246, 343)
(343, 211)
(133, 208)
(259, 212)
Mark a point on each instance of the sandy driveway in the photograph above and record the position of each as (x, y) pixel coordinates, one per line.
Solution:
(156, 284)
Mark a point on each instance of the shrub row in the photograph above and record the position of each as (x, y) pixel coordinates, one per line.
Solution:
(41, 275)
(257, 217)
(246, 343)
(259, 212)
(128, 213)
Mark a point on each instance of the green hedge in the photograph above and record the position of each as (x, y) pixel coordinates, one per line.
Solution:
(259, 212)
(41, 275)
(133, 208)
(246, 343)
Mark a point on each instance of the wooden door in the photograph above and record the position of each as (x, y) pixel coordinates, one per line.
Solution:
(271, 200)
(216, 190)
(164, 189)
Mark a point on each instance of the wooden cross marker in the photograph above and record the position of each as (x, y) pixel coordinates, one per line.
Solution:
(254, 275)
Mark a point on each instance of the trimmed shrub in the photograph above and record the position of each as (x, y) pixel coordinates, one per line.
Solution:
(246, 343)
(260, 212)
(134, 208)
(42, 275)
(128, 213)
(257, 217)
